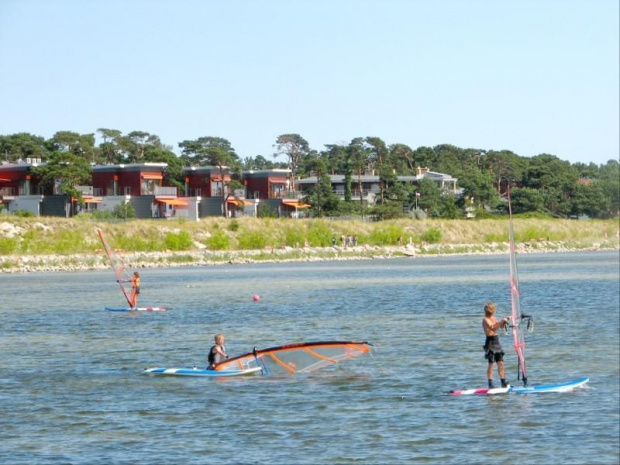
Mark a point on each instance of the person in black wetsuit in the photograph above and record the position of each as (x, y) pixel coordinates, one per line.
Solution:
(492, 348)
(217, 353)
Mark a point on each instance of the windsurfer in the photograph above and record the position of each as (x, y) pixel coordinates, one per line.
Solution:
(492, 348)
(135, 287)
(217, 353)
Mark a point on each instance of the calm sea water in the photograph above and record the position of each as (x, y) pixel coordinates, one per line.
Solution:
(72, 388)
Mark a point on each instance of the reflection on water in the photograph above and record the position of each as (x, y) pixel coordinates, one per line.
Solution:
(71, 387)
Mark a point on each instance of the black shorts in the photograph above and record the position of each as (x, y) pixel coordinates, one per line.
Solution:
(493, 350)
(494, 356)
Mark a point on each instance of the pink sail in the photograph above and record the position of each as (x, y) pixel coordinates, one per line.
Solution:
(517, 319)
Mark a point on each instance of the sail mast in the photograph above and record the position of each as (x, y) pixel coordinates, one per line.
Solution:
(515, 301)
(119, 270)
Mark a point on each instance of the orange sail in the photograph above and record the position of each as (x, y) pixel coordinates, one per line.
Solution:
(296, 358)
(122, 276)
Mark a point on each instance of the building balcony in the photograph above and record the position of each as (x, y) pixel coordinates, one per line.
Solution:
(8, 191)
(165, 191)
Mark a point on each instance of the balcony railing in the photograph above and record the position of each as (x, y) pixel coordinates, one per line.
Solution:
(85, 190)
(172, 191)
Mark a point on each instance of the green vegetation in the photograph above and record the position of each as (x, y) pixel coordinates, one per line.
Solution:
(178, 241)
(219, 240)
(432, 235)
(62, 236)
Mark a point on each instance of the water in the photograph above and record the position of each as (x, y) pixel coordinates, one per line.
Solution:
(72, 391)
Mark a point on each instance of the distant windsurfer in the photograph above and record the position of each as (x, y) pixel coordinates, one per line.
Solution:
(217, 353)
(135, 289)
(492, 348)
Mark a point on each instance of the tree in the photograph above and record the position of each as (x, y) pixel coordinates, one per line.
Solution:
(358, 157)
(323, 200)
(526, 199)
(589, 199)
(221, 158)
(294, 147)
(63, 172)
(554, 179)
(505, 168)
(108, 149)
(479, 186)
(338, 161)
(430, 197)
(82, 145)
(378, 156)
(609, 180)
(195, 151)
(174, 170)
(403, 160)
(21, 146)
(138, 142)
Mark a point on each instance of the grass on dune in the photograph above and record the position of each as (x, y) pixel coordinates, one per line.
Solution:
(62, 236)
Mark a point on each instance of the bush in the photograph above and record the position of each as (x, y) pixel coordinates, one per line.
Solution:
(234, 225)
(219, 240)
(252, 240)
(319, 235)
(432, 236)
(386, 235)
(8, 245)
(265, 211)
(24, 214)
(293, 236)
(137, 243)
(178, 241)
(124, 210)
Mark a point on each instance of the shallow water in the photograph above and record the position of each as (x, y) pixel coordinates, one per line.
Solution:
(72, 391)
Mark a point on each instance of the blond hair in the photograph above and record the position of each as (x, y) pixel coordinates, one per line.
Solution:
(489, 309)
(218, 337)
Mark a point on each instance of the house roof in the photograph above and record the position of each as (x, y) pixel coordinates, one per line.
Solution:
(130, 167)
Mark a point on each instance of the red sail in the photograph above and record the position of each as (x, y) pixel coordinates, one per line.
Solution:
(297, 358)
(122, 276)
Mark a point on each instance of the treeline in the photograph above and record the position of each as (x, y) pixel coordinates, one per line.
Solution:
(543, 184)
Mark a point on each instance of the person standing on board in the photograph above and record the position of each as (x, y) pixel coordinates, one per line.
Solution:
(217, 353)
(492, 348)
(135, 289)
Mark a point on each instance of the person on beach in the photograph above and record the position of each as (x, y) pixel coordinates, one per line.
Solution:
(217, 353)
(492, 348)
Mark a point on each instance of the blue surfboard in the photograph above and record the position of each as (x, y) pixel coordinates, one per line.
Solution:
(136, 309)
(200, 372)
(542, 388)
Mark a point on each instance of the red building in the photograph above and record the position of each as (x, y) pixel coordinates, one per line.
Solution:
(267, 184)
(19, 179)
(205, 181)
(135, 179)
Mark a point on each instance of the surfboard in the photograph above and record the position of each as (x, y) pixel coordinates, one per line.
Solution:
(200, 372)
(480, 391)
(137, 309)
(560, 387)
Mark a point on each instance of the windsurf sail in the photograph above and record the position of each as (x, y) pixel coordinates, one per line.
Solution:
(123, 278)
(517, 318)
(296, 358)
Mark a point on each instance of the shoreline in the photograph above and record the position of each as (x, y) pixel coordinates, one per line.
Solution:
(197, 258)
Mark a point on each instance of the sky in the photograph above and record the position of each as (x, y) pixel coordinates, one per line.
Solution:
(530, 76)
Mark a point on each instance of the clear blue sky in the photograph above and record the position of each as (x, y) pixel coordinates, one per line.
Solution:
(531, 76)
